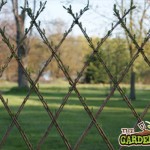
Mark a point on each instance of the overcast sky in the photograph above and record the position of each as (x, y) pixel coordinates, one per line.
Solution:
(97, 20)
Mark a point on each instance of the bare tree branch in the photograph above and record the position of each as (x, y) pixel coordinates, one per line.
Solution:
(2, 3)
(15, 7)
(146, 7)
(23, 12)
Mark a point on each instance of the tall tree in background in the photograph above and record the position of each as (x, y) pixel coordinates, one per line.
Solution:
(138, 28)
(131, 50)
(22, 48)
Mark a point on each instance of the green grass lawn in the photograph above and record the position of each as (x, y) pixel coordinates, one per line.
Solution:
(73, 119)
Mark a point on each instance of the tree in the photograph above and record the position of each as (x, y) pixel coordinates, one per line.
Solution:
(71, 52)
(131, 50)
(139, 32)
(23, 47)
(113, 53)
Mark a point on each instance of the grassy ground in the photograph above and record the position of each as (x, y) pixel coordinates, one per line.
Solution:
(73, 119)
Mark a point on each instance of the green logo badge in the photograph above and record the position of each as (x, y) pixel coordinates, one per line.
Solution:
(129, 137)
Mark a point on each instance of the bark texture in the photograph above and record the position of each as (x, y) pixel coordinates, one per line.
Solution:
(22, 46)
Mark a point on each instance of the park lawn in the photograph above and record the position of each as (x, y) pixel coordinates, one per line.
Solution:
(73, 119)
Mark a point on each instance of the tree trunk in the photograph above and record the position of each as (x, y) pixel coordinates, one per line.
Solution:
(132, 77)
(22, 81)
(23, 46)
(22, 53)
(132, 86)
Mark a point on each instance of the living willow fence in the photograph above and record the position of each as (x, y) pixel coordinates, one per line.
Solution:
(54, 55)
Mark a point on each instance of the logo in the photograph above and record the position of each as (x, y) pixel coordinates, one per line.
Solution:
(129, 137)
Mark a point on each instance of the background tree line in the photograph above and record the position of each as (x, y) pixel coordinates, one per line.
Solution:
(74, 52)
(116, 52)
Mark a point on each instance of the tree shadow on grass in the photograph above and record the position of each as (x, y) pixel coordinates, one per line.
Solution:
(16, 91)
(55, 95)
